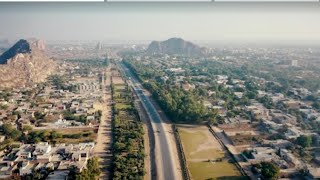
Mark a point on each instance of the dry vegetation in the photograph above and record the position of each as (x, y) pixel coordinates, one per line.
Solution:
(205, 157)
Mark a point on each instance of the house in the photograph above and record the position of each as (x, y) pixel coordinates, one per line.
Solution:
(90, 118)
(303, 92)
(279, 117)
(2, 138)
(187, 86)
(207, 104)
(289, 157)
(44, 158)
(278, 144)
(261, 93)
(6, 169)
(221, 102)
(61, 107)
(272, 125)
(25, 151)
(276, 97)
(229, 86)
(43, 152)
(176, 70)
(165, 78)
(81, 155)
(258, 111)
(74, 104)
(211, 93)
(59, 174)
(239, 95)
(221, 79)
(292, 104)
(310, 113)
(293, 132)
(280, 163)
(237, 81)
(43, 148)
(260, 154)
(314, 173)
(46, 105)
(26, 168)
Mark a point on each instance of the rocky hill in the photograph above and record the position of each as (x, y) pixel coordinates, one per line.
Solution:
(25, 64)
(175, 46)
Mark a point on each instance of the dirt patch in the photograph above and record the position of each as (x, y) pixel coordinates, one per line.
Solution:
(117, 80)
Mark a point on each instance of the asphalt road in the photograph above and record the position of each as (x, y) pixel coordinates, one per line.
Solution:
(165, 168)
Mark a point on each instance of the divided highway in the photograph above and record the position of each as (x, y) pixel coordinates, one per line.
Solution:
(164, 161)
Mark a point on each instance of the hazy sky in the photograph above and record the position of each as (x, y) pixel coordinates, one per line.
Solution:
(244, 22)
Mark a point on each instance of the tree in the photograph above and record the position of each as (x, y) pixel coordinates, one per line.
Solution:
(213, 114)
(26, 128)
(311, 97)
(91, 173)
(316, 105)
(251, 94)
(269, 170)
(10, 131)
(55, 135)
(245, 101)
(4, 107)
(315, 140)
(93, 166)
(304, 141)
(231, 114)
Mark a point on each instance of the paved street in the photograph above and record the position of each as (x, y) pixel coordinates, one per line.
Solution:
(166, 168)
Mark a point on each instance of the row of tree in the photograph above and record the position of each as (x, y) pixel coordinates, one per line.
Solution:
(128, 145)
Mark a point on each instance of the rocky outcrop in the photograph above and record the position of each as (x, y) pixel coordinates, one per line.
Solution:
(176, 46)
(25, 64)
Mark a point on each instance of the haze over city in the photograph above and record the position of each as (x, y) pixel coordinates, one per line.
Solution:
(132, 22)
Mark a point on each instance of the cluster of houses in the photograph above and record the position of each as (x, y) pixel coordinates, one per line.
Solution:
(45, 109)
(273, 120)
(44, 158)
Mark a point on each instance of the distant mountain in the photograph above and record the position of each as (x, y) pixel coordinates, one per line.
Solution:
(175, 46)
(21, 46)
(25, 64)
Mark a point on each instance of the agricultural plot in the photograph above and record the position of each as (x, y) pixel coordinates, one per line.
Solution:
(205, 156)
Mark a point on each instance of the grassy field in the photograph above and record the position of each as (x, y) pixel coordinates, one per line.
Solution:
(123, 106)
(120, 87)
(74, 130)
(120, 90)
(200, 147)
(73, 135)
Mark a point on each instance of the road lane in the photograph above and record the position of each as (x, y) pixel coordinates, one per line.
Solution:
(165, 167)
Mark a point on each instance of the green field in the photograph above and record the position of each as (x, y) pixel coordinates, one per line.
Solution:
(119, 87)
(123, 106)
(199, 147)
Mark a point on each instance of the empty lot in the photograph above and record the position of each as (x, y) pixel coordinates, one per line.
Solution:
(206, 158)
